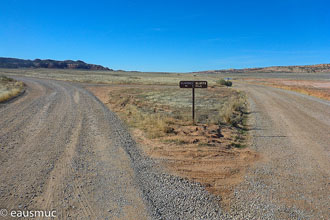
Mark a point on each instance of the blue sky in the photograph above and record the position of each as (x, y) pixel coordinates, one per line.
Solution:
(167, 35)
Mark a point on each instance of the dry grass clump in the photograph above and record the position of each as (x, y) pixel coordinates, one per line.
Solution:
(9, 94)
(234, 111)
(143, 116)
(223, 82)
(155, 125)
(9, 88)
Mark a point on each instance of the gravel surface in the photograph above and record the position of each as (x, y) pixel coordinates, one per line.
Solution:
(63, 150)
(292, 181)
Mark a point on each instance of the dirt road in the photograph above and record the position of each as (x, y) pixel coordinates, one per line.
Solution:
(63, 150)
(56, 154)
(292, 133)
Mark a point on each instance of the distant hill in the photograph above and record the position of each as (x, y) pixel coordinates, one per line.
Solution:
(319, 68)
(55, 64)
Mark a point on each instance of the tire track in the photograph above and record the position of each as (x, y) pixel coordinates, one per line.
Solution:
(50, 131)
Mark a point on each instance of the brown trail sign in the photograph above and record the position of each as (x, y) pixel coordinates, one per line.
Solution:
(193, 85)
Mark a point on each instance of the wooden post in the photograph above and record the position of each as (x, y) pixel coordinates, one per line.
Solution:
(193, 104)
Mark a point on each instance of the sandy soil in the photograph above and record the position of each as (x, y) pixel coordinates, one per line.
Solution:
(316, 88)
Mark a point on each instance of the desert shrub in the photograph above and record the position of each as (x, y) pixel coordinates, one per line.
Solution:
(9, 94)
(237, 145)
(9, 88)
(224, 82)
(233, 111)
(156, 124)
(229, 83)
(5, 79)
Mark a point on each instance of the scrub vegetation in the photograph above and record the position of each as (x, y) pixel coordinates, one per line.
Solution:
(223, 82)
(163, 112)
(9, 88)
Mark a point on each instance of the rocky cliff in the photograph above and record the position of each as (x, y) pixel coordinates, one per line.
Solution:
(37, 63)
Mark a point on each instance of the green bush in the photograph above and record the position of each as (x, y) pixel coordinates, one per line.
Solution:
(223, 82)
(229, 83)
(5, 79)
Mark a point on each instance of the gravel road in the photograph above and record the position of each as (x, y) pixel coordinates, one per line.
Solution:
(291, 131)
(63, 150)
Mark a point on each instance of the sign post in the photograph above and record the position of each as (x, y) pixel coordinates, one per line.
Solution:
(193, 104)
(193, 85)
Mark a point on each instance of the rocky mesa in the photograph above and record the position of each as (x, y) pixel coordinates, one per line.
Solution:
(319, 68)
(55, 64)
